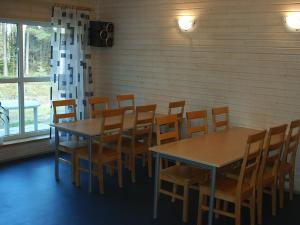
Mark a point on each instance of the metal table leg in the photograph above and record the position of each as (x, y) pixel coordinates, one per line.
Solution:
(90, 165)
(156, 184)
(212, 195)
(56, 155)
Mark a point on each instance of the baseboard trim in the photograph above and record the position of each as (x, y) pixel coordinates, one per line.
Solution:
(27, 156)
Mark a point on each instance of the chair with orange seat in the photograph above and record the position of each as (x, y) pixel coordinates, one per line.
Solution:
(288, 160)
(202, 125)
(95, 103)
(220, 118)
(141, 138)
(268, 171)
(108, 150)
(177, 108)
(177, 175)
(237, 191)
(66, 110)
(127, 102)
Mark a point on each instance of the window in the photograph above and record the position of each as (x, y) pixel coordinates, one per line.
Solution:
(25, 78)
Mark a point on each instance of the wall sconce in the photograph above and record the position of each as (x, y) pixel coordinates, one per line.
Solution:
(293, 20)
(186, 23)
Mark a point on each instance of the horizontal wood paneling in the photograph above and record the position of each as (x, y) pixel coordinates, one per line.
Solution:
(240, 54)
(36, 10)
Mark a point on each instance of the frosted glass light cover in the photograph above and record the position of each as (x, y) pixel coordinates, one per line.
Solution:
(186, 23)
(293, 20)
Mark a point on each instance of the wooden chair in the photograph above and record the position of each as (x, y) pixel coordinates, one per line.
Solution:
(268, 171)
(178, 175)
(237, 191)
(67, 146)
(200, 128)
(222, 123)
(108, 150)
(127, 102)
(177, 108)
(287, 163)
(141, 138)
(97, 101)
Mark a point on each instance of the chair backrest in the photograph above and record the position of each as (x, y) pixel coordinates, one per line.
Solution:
(127, 102)
(273, 149)
(251, 161)
(143, 125)
(292, 142)
(178, 107)
(95, 103)
(112, 128)
(69, 111)
(192, 117)
(220, 118)
(171, 133)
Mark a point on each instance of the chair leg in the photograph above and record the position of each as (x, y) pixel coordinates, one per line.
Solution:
(274, 198)
(225, 206)
(149, 164)
(132, 166)
(200, 203)
(237, 213)
(174, 192)
(259, 204)
(185, 203)
(120, 177)
(166, 162)
(281, 190)
(100, 179)
(252, 210)
(77, 172)
(127, 161)
(143, 160)
(110, 169)
(291, 184)
(218, 207)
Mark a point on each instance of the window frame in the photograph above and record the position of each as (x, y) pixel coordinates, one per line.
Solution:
(21, 79)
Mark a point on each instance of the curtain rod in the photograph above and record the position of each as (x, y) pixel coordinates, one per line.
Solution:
(73, 7)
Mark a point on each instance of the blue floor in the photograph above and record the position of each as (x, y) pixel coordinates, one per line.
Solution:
(29, 195)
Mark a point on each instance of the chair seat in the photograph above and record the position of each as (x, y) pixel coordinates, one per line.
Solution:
(107, 155)
(226, 188)
(140, 147)
(181, 174)
(268, 177)
(70, 146)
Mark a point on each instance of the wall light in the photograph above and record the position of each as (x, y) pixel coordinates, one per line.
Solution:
(186, 23)
(293, 20)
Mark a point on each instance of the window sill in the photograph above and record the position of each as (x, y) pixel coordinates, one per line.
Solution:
(25, 140)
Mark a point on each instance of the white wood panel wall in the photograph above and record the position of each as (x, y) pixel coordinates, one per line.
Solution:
(37, 10)
(240, 54)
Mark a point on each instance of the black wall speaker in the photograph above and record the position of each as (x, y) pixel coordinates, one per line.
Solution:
(101, 34)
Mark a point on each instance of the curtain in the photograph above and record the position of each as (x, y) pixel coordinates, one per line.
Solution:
(71, 70)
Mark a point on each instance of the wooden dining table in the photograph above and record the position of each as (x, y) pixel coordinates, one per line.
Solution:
(210, 152)
(89, 128)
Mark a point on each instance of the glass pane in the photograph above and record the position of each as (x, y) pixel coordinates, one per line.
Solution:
(36, 51)
(37, 106)
(8, 50)
(10, 104)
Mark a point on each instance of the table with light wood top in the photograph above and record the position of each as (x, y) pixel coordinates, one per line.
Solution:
(209, 151)
(89, 128)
